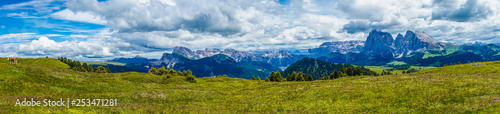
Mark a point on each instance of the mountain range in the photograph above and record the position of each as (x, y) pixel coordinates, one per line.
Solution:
(379, 48)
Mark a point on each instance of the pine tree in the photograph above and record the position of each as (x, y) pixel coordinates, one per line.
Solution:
(191, 78)
(404, 72)
(85, 67)
(325, 76)
(272, 76)
(331, 76)
(100, 69)
(107, 70)
(172, 71)
(310, 78)
(278, 77)
(458, 63)
(301, 78)
(267, 79)
(91, 69)
(188, 72)
(336, 74)
(162, 71)
(258, 78)
(288, 77)
(294, 76)
(78, 64)
(225, 76)
(297, 76)
(152, 70)
(253, 77)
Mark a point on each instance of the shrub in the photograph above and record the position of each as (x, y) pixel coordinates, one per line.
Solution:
(191, 78)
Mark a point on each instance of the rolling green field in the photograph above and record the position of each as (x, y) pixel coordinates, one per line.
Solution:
(452, 89)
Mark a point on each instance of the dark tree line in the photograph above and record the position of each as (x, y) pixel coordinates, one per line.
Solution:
(83, 67)
(317, 69)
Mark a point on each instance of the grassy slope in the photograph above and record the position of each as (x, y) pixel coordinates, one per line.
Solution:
(470, 68)
(435, 91)
(378, 69)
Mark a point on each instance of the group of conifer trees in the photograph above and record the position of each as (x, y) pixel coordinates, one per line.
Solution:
(388, 72)
(83, 67)
(168, 73)
(344, 72)
(258, 78)
(296, 76)
(299, 76)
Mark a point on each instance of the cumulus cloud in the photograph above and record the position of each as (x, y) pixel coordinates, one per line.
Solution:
(210, 24)
(469, 11)
(357, 26)
(166, 15)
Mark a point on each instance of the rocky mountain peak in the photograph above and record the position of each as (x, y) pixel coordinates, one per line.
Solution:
(138, 56)
(277, 54)
(379, 43)
(338, 46)
(184, 51)
(422, 36)
(415, 41)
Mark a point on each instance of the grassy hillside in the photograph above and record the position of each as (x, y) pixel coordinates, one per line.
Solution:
(470, 68)
(473, 89)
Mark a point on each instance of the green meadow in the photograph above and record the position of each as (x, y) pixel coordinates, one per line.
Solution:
(464, 88)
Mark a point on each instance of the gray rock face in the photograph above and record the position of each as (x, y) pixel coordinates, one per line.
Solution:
(338, 46)
(414, 41)
(198, 54)
(278, 58)
(380, 44)
(184, 51)
(169, 60)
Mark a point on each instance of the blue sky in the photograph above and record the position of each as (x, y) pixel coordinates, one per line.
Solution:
(105, 29)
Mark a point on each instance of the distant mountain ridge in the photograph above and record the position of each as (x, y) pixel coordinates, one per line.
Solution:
(135, 60)
(339, 46)
(379, 48)
(218, 64)
(277, 57)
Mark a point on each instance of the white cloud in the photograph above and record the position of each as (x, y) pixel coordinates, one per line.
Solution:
(87, 17)
(41, 6)
(18, 37)
(22, 15)
(155, 26)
